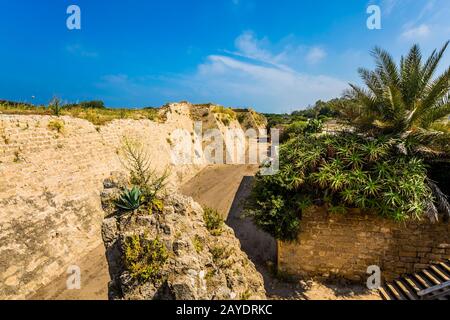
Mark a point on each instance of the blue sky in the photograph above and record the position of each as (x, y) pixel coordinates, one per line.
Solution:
(275, 56)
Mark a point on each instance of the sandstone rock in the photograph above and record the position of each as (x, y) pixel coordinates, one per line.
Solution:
(194, 270)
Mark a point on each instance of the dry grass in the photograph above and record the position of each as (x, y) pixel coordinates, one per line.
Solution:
(95, 116)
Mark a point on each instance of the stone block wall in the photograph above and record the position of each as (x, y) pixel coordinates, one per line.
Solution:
(344, 246)
(50, 185)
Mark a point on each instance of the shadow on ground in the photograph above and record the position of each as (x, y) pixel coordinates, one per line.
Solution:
(261, 248)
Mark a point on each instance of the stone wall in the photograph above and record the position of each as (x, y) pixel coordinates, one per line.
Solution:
(50, 184)
(343, 246)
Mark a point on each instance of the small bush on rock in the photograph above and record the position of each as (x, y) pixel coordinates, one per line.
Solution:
(56, 125)
(144, 258)
(213, 221)
(137, 161)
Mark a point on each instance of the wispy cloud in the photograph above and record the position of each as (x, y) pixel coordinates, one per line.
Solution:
(315, 55)
(415, 33)
(79, 50)
(265, 86)
(250, 75)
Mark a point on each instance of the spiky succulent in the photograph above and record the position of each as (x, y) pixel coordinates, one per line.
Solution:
(344, 170)
(129, 200)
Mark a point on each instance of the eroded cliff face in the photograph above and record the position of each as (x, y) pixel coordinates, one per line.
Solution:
(51, 175)
(195, 264)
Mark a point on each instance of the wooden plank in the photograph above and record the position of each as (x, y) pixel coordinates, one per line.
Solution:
(443, 286)
(413, 284)
(395, 292)
(430, 277)
(422, 281)
(405, 290)
(445, 266)
(443, 269)
(384, 294)
(439, 273)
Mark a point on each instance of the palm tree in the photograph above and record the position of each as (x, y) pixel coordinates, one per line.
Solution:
(402, 102)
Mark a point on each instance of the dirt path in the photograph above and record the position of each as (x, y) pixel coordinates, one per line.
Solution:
(216, 186)
(222, 188)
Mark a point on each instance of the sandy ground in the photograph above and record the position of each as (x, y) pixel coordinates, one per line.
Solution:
(94, 281)
(216, 186)
(222, 188)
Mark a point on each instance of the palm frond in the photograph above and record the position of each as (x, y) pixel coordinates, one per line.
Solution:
(440, 198)
(387, 69)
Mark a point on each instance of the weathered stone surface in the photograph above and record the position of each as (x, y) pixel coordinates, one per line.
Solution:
(50, 182)
(344, 246)
(191, 272)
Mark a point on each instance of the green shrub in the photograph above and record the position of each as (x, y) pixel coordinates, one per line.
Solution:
(295, 129)
(55, 106)
(137, 161)
(218, 253)
(96, 104)
(56, 125)
(225, 115)
(198, 244)
(340, 171)
(213, 221)
(129, 200)
(144, 259)
(156, 205)
(314, 126)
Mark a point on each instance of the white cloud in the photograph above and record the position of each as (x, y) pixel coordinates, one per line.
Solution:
(421, 31)
(251, 76)
(315, 55)
(263, 82)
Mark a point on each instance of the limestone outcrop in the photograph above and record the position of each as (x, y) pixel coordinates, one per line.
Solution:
(192, 263)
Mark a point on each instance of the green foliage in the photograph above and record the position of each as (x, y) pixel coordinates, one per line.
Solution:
(137, 161)
(90, 111)
(322, 109)
(156, 205)
(405, 99)
(130, 200)
(314, 126)
(56, 125)
(198, 244)
(95, 104)
(246, 295)
(295, 129)
(225, 115)
(56, 106)
(340, 171)
(144, 259)
(213, 221)
(220, 256)
(226, 111)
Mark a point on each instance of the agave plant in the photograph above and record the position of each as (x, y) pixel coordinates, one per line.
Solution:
(403, 102)
(363, 172)
(130, 200)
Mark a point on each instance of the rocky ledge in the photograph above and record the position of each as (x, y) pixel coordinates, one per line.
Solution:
(170, 254)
